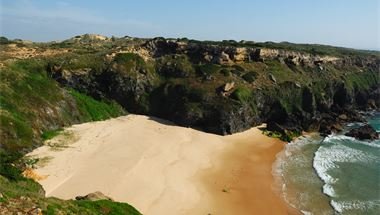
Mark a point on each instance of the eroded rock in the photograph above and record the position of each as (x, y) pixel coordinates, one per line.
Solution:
(365, 132)
(94, 197)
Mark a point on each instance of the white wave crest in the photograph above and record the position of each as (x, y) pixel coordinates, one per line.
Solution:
(342, 206)
(327, 157)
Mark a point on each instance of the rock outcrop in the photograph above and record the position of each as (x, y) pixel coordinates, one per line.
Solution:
(365, 132)
(94, 197)
(224, 88)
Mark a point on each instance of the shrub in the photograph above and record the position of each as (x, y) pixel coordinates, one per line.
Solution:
(176, 66)
(250, 77)
(242, 94)
(47, 135)
(4, 40)
(208, 69)
(128, 57)
(225, 72)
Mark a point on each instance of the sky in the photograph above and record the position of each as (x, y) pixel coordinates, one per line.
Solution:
(348, 23)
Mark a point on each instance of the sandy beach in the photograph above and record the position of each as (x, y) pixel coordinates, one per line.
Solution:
(161, 168)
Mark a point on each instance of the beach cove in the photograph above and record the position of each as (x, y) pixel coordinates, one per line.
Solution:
(161, 168)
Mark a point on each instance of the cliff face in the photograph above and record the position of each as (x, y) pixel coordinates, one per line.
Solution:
(185, 82)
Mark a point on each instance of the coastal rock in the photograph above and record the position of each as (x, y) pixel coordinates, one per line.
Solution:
(172, 86)
(343, 117)
(35, 211)
(223, 58)
(336, 127)
(94, 197)
(273, 126)
(235, 118)
(229, 86)
(272, 78)
(365, 132)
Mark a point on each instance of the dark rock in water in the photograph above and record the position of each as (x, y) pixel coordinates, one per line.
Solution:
(94, 197)
(365, 132)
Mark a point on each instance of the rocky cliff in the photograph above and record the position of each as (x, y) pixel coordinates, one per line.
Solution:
(185, 81)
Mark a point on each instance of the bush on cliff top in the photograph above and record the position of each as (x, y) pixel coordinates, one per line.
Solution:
(242, 94)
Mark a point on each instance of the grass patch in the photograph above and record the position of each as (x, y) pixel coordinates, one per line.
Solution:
(175, 66)
(242, 94)
(47, 135)
(287, 137)
(94, 110)
(62, 141)
(250, 77)
(107, 207)
(208, 69)
(13, 190)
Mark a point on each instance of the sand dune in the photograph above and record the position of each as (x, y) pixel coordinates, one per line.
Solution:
(161, 168)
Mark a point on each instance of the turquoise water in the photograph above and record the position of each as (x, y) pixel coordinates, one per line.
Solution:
(335, 175)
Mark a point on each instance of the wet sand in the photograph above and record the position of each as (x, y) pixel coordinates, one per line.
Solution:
(241, 180)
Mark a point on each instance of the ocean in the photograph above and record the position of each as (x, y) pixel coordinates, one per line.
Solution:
(332, 175)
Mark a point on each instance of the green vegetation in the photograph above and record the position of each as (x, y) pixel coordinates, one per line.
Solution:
(27, 193)
(250, 77)
(47, 135)
(307, 48)
(33, 107)
(4, 40)
(31, 102)
(208, 69)
(242, 94)
(107, 207)
(25, 90)
(225, 72)
(93, 110)
(122, 58)
(361, 80)
(288, 136)
(175, 66)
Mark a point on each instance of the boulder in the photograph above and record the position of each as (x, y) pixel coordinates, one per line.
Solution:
(343, 117)
(365, 132)
(371, 104)
(228, 86)
(336, 127)
(94, 197)
(223, 58)
(272, 78)
(35, 211)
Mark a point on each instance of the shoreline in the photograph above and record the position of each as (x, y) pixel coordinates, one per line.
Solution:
(279, 177)
(151, 163)
(242, 181)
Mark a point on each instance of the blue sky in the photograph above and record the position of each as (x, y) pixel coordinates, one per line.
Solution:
(349, 23)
